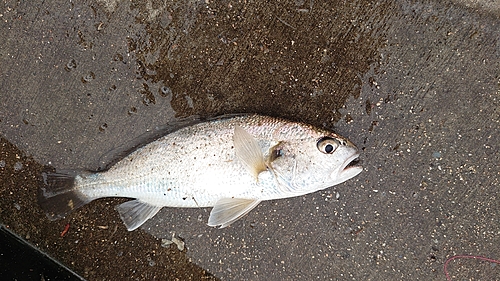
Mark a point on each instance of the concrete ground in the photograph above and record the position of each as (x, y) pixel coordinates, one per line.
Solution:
(415, 84)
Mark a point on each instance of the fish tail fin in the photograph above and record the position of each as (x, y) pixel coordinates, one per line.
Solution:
(58, 195)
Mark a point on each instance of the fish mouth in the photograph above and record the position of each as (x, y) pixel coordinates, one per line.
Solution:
(351, 162)
(349, 169)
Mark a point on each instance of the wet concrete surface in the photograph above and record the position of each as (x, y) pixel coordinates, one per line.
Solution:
(414, 84)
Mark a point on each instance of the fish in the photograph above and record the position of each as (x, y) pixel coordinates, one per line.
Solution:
(230, 164)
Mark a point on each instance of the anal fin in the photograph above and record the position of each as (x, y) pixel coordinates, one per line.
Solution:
(228, 210)
(134, 213)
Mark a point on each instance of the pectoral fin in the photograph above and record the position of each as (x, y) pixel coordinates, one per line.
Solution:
(134, 213)
(248, 151)
(228, 210)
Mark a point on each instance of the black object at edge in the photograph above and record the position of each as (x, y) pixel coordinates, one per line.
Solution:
(20, 260)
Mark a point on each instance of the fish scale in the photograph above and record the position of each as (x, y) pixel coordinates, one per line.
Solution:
(230, 164)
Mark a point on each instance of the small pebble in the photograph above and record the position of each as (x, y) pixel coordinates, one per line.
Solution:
(70, 65)
(151, 261)
(189, 101)
(165, 91)
(18, 166)
(103, 127)
(132, 110)
(180, 244)
(436, 154)
(89, 77)
(165, 242)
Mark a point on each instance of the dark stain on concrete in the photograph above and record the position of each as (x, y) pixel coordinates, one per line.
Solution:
(299, 60)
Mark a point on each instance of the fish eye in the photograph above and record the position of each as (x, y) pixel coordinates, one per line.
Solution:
(327, 145)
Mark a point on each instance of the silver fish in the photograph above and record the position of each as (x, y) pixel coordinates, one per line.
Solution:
(229, 164)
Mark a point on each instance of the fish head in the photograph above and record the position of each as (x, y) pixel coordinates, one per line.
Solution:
(309, 159)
